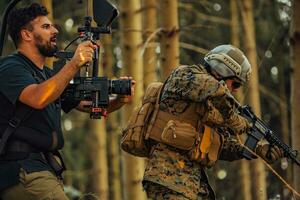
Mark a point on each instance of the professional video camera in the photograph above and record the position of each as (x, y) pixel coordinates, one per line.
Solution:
(94, 88)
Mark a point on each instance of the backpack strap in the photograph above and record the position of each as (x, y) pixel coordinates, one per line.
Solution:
(22, 111)
(156, 109)
(21, 114)
(160, 118)
(56, 162)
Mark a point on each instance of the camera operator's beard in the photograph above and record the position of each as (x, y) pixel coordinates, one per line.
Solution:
(47, 49)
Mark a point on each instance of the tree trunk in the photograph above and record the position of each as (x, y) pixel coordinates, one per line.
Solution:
(284, 121)
(99, 159)
(48, 5)
(259, 175)
(234, 23)
(150, 25)
(113, 135)
(115, 157)
(131, 24)
(243, 165)
(295, 82)
(108, 57)
(170, 37)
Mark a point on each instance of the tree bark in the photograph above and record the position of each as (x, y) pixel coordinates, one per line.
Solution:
(100, 163)
(295, 92)
(150, 26)
(99, 160)
(132, 62)
(113, 135)
(244, 166)
(258, 169)
(170, 37)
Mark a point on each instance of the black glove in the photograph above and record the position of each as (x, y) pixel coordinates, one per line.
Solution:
(269, 153)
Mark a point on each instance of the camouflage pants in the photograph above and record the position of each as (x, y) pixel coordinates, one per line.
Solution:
(158, 192)
(35, 186)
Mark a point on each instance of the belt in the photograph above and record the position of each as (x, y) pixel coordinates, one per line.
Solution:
(18, 150)
(19, 146)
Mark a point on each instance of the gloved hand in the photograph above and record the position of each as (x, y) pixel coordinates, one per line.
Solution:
(269, 153)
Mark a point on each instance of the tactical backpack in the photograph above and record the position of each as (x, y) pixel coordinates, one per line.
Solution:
(133, 136)
(149, 124)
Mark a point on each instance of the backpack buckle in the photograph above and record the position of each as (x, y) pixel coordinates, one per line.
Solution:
(14, 122)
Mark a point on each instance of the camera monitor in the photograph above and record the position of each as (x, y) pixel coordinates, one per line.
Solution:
(104, 12)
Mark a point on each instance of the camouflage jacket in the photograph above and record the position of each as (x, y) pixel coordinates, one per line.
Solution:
(172, 168)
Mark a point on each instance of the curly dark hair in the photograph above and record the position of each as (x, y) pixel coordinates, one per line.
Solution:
(20, 18)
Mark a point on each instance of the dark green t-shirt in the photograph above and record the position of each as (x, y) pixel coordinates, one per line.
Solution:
(15, 75)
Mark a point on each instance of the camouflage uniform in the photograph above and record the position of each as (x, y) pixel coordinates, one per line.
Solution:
(170, 169)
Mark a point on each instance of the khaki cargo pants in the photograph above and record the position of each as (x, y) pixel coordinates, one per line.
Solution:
(35, 186)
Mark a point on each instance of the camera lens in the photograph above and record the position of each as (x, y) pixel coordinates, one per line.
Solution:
(122, 87)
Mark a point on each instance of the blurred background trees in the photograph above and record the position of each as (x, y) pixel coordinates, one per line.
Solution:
(149, 39)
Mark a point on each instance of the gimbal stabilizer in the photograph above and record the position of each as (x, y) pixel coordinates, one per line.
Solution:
(92, 88)
(95, 89)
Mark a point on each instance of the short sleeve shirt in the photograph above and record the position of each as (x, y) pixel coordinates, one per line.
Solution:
(16, 73)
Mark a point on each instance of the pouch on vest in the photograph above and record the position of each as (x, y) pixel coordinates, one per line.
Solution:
(180, 135)
(133, 135)
(207, 150)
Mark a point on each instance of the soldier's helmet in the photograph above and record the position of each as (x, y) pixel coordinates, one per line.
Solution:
(229, 61)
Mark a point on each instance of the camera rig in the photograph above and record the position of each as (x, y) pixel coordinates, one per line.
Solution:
(91, 88)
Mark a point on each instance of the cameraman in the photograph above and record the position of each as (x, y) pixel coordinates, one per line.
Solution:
(30, 165)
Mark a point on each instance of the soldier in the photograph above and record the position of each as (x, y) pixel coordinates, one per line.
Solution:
(196, 125)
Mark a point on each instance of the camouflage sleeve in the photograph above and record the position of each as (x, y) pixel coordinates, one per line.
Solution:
(219, 106)
(231, 148)
(191, 83)
(220, 111)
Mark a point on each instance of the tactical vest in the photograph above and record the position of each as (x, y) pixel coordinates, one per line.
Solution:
(186, 132)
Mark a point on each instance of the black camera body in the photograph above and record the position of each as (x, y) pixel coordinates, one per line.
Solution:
(96, 90)
(93, 88)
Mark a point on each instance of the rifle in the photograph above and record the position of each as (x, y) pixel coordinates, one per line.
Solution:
(260, 130)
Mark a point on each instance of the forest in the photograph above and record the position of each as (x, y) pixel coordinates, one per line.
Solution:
(149, 38)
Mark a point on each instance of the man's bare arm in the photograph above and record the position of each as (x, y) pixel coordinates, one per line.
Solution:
(40, 95)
